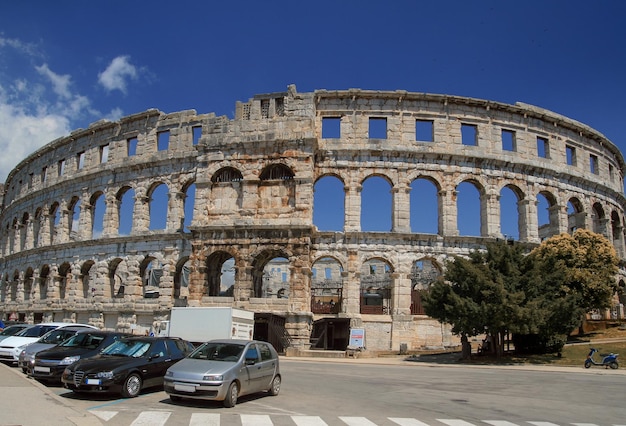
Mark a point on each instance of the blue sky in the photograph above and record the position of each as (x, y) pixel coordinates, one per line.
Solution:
(65, 64)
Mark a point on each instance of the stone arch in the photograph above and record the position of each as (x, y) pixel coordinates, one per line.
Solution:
(44, 276)
(54, 217)
(151, 272)
(547, 215)
(97, 207)
(276, 171)
(327, 283)
(616, 232)
(377, 208)
(88, 275)
(376, 284)
(125, 198)
(576, 216)
(64, 275)
(189, 202)
(227, 174)
(426, 205)
(470, 199)
(424, 273)
(277, 188)
(181, 278)
(517, 210)
(118, 275)
(24, 231)
(598, 219)
(158, 205)
(329, 198)
(13, 285)
(265, 282)
(220, 274)
(74, 217)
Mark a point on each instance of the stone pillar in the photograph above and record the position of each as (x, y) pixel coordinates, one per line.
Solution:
(85, 221)
(62, 230)
(176, 211)
(448, 213)
(400, 295)
(353, 208)
(141, 213)
(401, 208)
(527, 209)
(111, 219)
(490, 216)
(352, 285)
(29, 241)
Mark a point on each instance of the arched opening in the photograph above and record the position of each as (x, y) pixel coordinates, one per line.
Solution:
(158, 204)
(423, 273)
(376, 205)
(424, 206)
(326, 286)
(376, 285)
(220, 268)
(468, 202)
(329, 204)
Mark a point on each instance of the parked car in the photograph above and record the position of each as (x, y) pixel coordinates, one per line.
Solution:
(12, 330)
(127, 366)
(50, 363)
(47, 341)
(224, 370)
(12, 347)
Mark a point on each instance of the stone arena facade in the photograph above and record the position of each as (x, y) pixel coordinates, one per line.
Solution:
(78, 242)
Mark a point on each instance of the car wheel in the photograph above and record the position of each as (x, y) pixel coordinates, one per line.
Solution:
(176, 398)
(132, 386)
(275, 387)
(231, 397)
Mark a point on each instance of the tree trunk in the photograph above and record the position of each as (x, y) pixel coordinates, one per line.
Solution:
(466, 347)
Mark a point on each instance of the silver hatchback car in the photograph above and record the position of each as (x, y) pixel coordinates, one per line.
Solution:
(223, 370)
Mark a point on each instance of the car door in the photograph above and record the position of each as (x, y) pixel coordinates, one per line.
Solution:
(156, 363)
(253, 368)
(267, 366)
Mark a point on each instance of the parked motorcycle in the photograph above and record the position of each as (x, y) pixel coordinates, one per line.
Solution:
(609, 360)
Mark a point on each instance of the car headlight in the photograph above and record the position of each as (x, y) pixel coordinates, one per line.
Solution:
(168, 373)
(69, 360)
(105, 375)
(213, 378)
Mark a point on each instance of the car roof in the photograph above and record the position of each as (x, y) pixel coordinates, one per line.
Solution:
(235, 341)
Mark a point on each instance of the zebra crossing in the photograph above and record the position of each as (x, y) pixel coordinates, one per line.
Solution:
(161, 418)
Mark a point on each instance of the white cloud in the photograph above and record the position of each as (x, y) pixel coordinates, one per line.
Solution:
(60, 83)
(117, 73)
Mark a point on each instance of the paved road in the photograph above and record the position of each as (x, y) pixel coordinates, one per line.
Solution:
(28, 402)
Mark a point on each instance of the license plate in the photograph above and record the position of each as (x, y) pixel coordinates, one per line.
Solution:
(42, 369)
(184, 388)
(93, 381)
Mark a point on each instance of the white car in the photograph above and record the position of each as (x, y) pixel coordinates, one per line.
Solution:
(11, 347)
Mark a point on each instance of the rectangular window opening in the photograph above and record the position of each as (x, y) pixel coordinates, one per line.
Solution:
(424, 130)
(132, 146)
(377, 128)
(44, 174)
(163, 141)
(508, 140)
(611, 174)
(197, 133)
(593, 164)
(331, 127)
(265, 108)
(81, 160)
(61, 167)
(570, 153)
(469, 134)
(104, 154)
(543, 149)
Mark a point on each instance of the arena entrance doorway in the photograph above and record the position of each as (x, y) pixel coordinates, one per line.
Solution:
(271, 328)
(330, 334)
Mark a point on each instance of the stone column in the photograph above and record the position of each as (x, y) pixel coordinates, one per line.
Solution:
(401, 208)
(29, 241)
(448, 213)
(352, 285)
(62, 230)
(176, 211)
(527, 210)
(141, 213)
(111, 219)
(400, 294)
(490, 216)
(353, 208)
(85, 221)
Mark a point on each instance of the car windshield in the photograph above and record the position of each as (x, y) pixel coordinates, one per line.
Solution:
(218, 352)
(10, 331)
(54, 336)
(134, 348)
(36, 331)
(83, 340)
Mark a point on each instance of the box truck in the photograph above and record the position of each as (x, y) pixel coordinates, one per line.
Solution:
(201, 324)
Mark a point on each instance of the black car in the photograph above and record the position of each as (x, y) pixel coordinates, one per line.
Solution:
(127, 366)
(49, 364)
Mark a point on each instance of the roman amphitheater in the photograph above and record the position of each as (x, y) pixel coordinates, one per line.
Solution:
(116, 224)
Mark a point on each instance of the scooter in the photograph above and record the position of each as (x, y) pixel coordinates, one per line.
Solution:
(609, 360)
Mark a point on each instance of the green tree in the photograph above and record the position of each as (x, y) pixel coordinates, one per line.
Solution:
(579, 270)
(480, 294)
